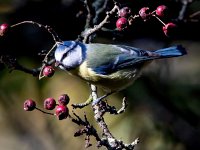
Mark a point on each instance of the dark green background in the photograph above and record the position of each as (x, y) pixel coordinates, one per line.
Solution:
(164, 103)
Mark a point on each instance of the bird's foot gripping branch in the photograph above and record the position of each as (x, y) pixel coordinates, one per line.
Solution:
(113, 67)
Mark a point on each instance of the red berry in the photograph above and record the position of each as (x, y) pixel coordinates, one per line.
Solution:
(161, 10)
(49, 103)
(29, 105)
(4, 28)
(122, 23)
(124, 12)
(48, 71)
(169, 29)
(62, 112)
(144, 13)
(63, 99)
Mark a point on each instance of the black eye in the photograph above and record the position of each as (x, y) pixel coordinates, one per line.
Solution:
(144, 53)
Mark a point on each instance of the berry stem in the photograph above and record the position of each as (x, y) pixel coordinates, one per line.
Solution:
(44, 111)
(159, 19)
(194, 14)
(132, 18)
(153, 12)
(48, 28)
(46, 60)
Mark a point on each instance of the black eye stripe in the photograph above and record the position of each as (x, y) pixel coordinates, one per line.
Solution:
(67, 53)
(143, 53)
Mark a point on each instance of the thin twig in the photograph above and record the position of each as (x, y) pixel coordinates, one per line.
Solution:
(88, 129)
(90, 14)
(111, 109)
(90, 31)
(47, 28)
(159, 19)
(45, 61)
(44, 111)
(100, 9)
(13, 64)
(194, 14)
(182, 12)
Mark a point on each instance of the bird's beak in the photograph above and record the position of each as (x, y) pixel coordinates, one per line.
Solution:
(57, 64)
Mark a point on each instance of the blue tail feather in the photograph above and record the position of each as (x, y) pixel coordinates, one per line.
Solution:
(173, 51)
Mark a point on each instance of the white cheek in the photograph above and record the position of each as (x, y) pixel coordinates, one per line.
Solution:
(66, 61)
(57, 57)
(59, 52)
(74, 58)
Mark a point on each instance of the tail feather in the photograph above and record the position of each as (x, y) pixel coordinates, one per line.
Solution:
(173, 51)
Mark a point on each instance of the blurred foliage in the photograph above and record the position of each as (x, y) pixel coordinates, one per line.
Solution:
(164, 103)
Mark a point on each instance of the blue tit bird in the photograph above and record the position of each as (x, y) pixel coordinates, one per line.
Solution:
(112, 67)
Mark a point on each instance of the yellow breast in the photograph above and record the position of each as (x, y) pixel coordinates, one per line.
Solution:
(112, 82)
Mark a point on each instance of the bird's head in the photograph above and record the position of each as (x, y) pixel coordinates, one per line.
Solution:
(68, 55)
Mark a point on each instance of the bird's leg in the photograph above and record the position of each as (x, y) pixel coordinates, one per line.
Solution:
(96, 101)
(95, 97)
(93, 92)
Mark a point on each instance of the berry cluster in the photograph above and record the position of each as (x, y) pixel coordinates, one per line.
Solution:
(126, 18)
(61, 109)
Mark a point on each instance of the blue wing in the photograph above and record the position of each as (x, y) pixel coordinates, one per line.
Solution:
(105, 59)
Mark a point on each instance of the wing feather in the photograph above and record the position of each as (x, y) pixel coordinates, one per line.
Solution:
(105, 59)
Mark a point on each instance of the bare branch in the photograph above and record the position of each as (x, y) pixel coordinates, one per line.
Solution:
(124, 106)
(44, 111)
(90, 14)
(13, 64)
(88, 130)
(111, 109)
(47, 28)
(86, 34)
(100, 9)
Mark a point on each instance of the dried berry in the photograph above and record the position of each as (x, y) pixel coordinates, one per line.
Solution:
(124, 12)
(63, 99)
(144, 13)
(3, 29)
(49, 103)
(161, 10)
(122, 23)
(29, 105)
(48, 71)
(169, 29)
(62, 112)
